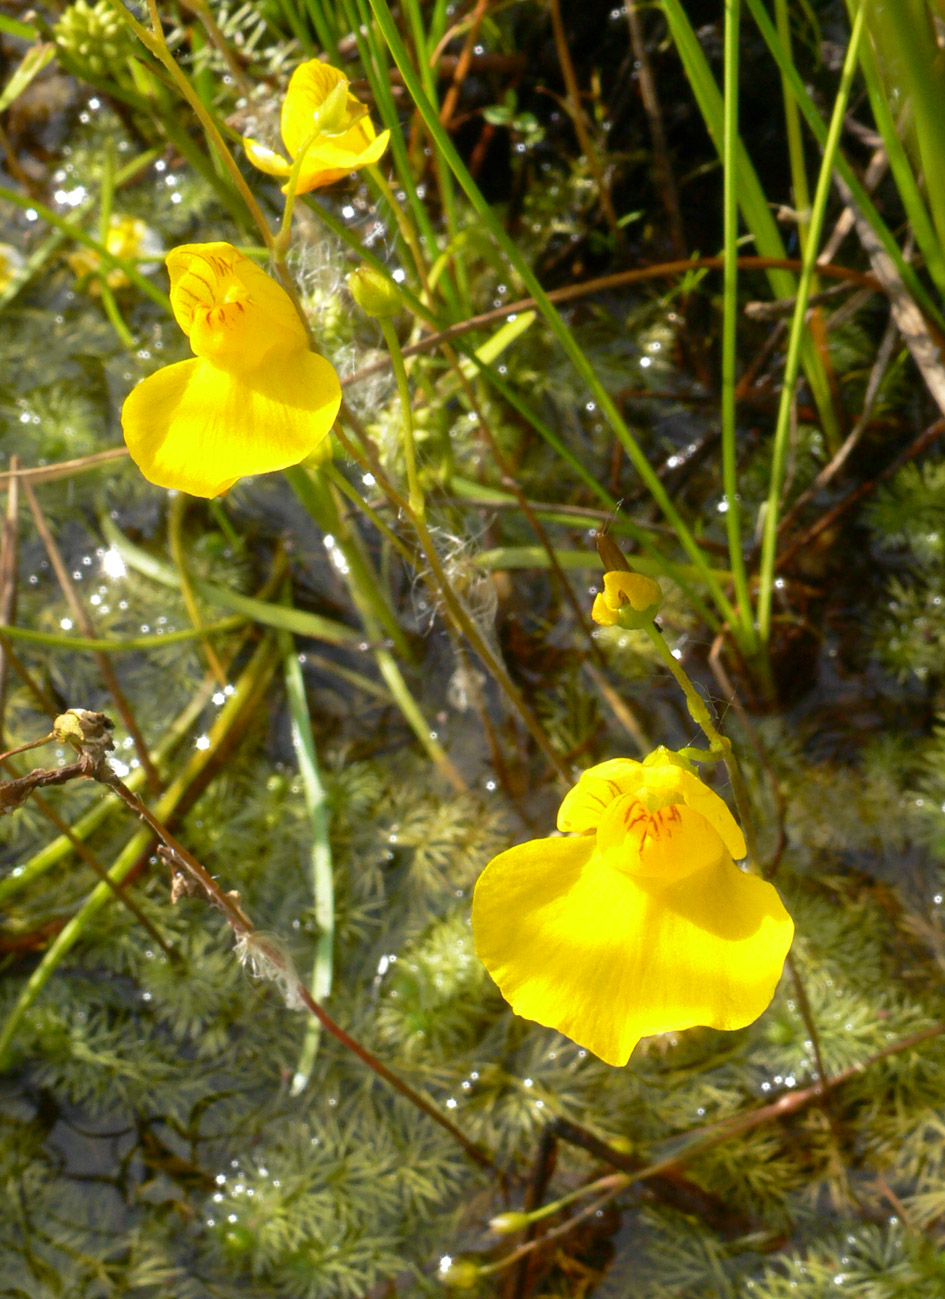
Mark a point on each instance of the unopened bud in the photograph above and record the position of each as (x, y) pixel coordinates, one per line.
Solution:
(504, 1224)
(87, 732)
(459, 1273)
(628, 600)
(374, 293)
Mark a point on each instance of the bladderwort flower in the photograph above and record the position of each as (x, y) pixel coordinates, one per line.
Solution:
(129, 238)
(12, 265)
(326, 131)
(630, 600)
(254, 399)
(638, 922)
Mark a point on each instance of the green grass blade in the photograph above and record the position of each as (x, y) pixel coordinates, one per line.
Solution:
(557, 325)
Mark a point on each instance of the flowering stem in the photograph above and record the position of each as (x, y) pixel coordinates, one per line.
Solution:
(407, 232)
(317, 498)
(458, 613)
(414, 490)
(322, 875)
(156, 42)
(720, 745)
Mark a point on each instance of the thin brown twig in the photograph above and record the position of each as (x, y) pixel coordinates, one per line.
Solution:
(9, 556)
(834, 465)
(64, 469)
(463, 63)
(618, 280)
(242, 926)
(654, 116)
(85, 623)
(787, 1104)
(575, 110)
(830, 517)
(120, 889)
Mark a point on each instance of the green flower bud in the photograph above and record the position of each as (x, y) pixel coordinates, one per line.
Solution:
(374, 293)
(507, 1223)
(95, 37)
(459, 1273)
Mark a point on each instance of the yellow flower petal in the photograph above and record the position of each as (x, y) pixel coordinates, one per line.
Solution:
(330, 160)
(234, 314)
(584, 804)
(668, 782)
(591, 951)
(265, 159)
(657, 782)
(198, 428)
(658, 847)
(331, 150)
(309, 86)
(626, 594)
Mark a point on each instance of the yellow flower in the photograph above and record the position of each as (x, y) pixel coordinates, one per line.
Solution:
(128, 238)
(12, 265)
(324, 124)
(640, 923)
(628, 599)
(254, 400)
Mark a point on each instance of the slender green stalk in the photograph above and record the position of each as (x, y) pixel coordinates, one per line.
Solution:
(920, 223)
(904, 39)
(415, 492)
(444, 177)
(322, 876)
(376, 616)
(720, 746)
(752, 199)
(115, 318)
(798, 327)
(747, 639)
(818, 129)
(327, 31)
(154, 41)
(792, 126)
(374, 58)
(73, 644)
(337, 478)
(299, 621)
(70, 228)
(315, 494)
(558, 327)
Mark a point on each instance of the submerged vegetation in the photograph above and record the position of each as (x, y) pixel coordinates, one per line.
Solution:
(574, 291)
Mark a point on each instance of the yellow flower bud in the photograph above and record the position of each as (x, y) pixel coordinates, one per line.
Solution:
(325, 128)
(628, 600)
(374, 293)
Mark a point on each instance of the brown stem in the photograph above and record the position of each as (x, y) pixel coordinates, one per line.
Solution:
(575, 111)
(85, 624)
(241, 925)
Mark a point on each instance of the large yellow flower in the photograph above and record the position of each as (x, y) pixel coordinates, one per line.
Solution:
(325, 124)
(254, 400)
(639, 923)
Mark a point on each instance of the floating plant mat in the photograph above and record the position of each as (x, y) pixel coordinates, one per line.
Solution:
(323, 721)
